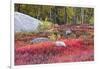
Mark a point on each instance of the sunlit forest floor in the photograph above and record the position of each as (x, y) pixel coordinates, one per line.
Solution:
(80, 47)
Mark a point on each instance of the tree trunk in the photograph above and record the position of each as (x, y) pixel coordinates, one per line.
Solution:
(65, 16)
(82, 15)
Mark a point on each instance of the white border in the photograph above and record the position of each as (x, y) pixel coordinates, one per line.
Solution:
(12, 35)
(74, 3)
(44, 2)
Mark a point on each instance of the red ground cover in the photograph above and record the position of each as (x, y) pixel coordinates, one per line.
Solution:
(47, 52)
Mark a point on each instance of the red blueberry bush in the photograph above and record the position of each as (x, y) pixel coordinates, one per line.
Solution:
(47, 52)
(79, 48)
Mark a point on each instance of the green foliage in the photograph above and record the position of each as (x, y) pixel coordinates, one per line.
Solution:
(58, 14)
(45, 25)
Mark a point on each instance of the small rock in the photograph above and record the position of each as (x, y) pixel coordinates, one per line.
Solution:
(41, 39)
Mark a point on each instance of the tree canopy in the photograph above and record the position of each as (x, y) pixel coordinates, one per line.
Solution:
(58, 14)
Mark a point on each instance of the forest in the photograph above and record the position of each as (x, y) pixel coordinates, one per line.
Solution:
(58, 14)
